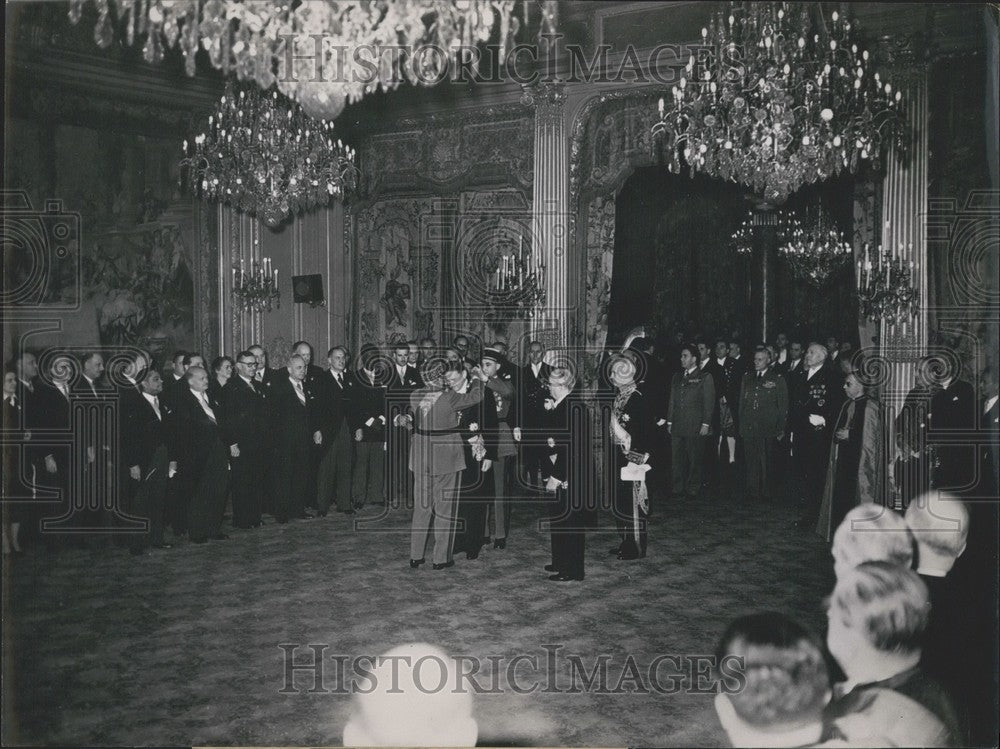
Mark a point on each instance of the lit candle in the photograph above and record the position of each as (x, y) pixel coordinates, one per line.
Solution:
(276, 279)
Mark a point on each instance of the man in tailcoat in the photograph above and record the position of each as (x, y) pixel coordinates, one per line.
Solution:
(477, 426)
(500, 385)
(368, 422)
(952, 421)
(568, 470)
(199, 457)
(532, 381)
(335, 393)
(244, 427)
(763, 416)
(294, 433)
(147, 458)
(404, 380)
(436, 460)
(689, 419)
(818, 396)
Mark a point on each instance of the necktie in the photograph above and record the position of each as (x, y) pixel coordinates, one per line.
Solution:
(208, 408)
(64, 390)
(760, 375)
(336, 376)
(156, 407)
(299, 392)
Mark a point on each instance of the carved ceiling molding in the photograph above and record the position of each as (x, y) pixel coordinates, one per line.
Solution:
(444, 153)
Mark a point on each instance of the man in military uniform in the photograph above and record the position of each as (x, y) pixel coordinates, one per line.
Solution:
(689, 416)
(763, 413)
(814, 410)
(501, 388)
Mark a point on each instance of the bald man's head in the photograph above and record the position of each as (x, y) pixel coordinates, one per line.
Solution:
(417, 699)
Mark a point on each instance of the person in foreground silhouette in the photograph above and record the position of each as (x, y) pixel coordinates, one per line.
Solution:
(416, 700)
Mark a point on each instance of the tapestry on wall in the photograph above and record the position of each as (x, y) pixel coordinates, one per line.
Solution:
(128, 278)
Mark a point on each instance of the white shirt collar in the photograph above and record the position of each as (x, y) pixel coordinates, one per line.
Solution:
(947, 383)
(721, 361)
(536, 368)
(990, 403)
(247, 380)
(149, 397)
(197, 394)
(692, 369)
(928, 572)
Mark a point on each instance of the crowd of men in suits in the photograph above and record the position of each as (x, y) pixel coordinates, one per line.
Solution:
(128, 452)
(804, 415)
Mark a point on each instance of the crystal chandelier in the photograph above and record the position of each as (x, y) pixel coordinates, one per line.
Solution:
(258, 289)
(515, 285)
(814, 247)
(770, 103)
(265, 156)
(885, 288)
(322, 54)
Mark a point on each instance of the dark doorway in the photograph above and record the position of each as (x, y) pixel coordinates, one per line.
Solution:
(675, 266)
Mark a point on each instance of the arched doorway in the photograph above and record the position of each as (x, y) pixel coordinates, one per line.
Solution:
(611, 142)
(675, 267)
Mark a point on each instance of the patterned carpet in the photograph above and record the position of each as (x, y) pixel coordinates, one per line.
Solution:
(181, 646)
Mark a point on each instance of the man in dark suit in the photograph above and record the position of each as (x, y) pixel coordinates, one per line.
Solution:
(173, 373)
(263, 374)
(147, 457)
(952, 421)
(244, 424)
(335, 393)
(818, 396)
(532, 382)
(763, 417)
(199, 458)
(368, 420)
(313, 371)
(96, 488)
(294, 434)
(403, 381)
(569, 478)
(689, 420)
(129, 405)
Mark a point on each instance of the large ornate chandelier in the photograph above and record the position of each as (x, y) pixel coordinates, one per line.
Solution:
(263, 155)
(772, 103)
(322, 54)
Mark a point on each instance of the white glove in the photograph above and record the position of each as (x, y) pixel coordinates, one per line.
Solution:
(816, 420)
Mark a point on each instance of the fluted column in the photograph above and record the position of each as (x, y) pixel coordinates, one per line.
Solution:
(550, 213)
(904, 229)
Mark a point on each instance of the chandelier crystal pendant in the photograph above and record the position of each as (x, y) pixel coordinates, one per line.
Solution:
(770, 102)
(321, 54)
(262, 154)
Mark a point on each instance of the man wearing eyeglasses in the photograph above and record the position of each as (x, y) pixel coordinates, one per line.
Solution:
(244, 419)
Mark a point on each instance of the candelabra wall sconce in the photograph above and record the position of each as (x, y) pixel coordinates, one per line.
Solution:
(515, 284)
(256, 288)
(886, 290)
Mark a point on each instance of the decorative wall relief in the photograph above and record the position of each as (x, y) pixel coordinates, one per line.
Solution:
(404, 246)
(388, 252)
(600, 249)
(443, 154)
(610, 139)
